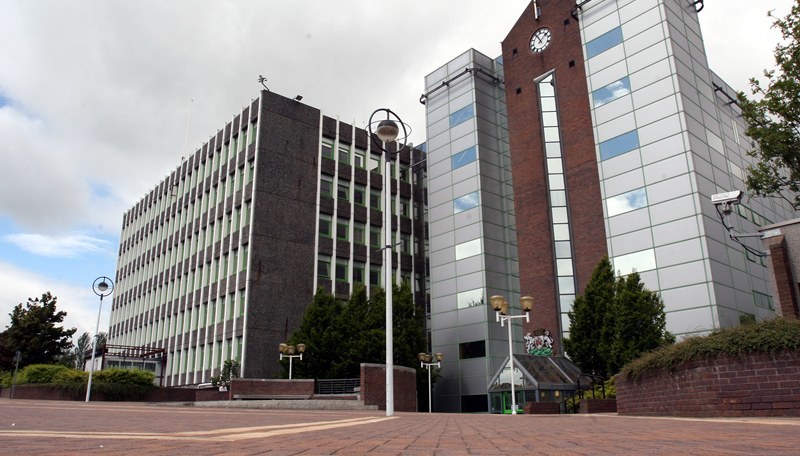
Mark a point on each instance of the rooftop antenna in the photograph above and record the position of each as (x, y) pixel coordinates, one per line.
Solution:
(263, 81)
(188, 126)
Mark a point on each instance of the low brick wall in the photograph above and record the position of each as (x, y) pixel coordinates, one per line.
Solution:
(598, 406)
(373, 387)
(750, 385)
(542, 408)
(43, 392)
(271, 387)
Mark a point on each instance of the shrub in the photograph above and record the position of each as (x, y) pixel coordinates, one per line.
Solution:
(769, 336)
(41, 373)
(71, 377)
(123, 384)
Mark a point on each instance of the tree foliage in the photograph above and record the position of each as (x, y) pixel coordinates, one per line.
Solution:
(773, 118)
(35, 332)
(615, 321)
(340, 335)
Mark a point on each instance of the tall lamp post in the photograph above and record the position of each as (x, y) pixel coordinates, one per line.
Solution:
(288, 351)
(102, 286)
(500, 306)
(387, 130)
(425, 361)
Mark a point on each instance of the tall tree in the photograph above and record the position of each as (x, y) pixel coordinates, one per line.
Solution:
(638, 324)
(589, 335)
(773, 118)
(35, 333)
(615, 321)
(340, 335)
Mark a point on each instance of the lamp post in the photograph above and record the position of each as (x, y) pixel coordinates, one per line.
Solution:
(288, 351)
(387, 131)
(102, 286)
(425, 361)
(500, 306)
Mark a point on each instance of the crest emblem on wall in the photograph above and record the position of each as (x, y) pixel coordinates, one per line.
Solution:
(539, 343)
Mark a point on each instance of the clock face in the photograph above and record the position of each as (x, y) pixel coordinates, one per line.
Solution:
(540, 40)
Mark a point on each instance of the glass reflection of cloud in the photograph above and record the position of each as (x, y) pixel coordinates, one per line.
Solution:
(465, 202)
(626, 202)
(611, 92)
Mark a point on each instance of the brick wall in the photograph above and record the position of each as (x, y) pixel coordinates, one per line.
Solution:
(373, 387)
(750, 385)
(270, 387)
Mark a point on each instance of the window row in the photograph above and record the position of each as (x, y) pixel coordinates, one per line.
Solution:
(360, 160)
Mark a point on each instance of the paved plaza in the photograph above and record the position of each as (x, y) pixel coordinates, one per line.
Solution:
(65, 428)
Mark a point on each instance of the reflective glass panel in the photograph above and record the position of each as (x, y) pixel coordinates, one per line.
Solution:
(563, 249)
(468, 249)
(611, 92)
(626, 202)
(470, 298)
(552, 149)
(604, 42)
(549, 119)
(619, 145)
(561, 232)
(551, 134)
(558, 198)
(465, 202)
(564, 267)
(560, 215)
(548, 103)
(462, 158)
(556, 181)
(566, 285)
(554, 166)
(462, 115)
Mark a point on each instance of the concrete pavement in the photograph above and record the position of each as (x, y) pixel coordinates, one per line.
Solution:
(46, 427)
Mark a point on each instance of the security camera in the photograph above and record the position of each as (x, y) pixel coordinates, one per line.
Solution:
(727, 200)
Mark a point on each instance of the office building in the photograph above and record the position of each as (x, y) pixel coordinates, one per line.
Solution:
(618, 133)
(220, 259)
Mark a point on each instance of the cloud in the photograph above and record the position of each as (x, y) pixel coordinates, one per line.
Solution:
(80, 303)
(69, 246)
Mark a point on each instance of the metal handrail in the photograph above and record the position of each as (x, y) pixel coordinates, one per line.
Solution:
(336, 385)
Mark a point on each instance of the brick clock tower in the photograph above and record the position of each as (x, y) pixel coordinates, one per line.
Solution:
(559, 215)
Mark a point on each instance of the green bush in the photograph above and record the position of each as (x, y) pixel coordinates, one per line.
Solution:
(71, 377)
(40, 373)
(6, 379)
(770, 336)
(123, 384)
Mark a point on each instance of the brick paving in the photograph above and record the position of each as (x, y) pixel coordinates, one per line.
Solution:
(30, 427)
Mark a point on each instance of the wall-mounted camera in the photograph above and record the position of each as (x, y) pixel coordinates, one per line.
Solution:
(734, 197)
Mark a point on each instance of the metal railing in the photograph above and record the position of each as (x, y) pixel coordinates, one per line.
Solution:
(336, 385)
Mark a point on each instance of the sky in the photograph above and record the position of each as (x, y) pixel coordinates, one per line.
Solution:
(99, 100)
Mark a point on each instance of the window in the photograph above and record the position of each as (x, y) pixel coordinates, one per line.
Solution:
(619, 145)
(462, 115)
(343, 192)
(360, 195)
(464, 157)
(344, 153)
(342, 229)
(341, 270)
(375, 275)
(465, 202)
(405, 243)
(375, 238)
(468, 350)
(470, 298)
(611, 92)
(324, 267)
(360, 158)
(326, 186)
(405, 207)
(468, 249)
(358, 272)
(252, 131)
(404, 173)
(604, 42)
(327, 150)
(359, 233)
(375, 164)
(375, 200)
(626, 202)
(325, 223)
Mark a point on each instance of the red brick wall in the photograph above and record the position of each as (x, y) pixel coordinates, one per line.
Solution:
(598, 405)
(752, 385)
(373, 387)
(564, 56)
(276, 387)
(784, 279)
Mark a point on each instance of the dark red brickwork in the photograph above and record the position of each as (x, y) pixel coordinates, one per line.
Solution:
(542, 408)
(564, 55)
(373, 387)
(784, 282)
(753, 385)
(598, 405)
(271, 387)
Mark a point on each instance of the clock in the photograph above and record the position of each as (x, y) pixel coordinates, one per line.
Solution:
(540, 39)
